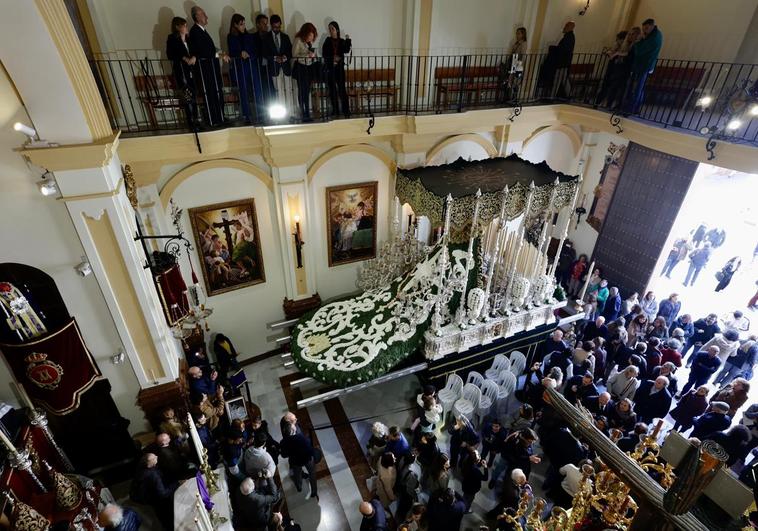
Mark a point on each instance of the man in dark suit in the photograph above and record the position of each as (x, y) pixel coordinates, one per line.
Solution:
(202, 47)
(652, 399)
(263, 56)
(298, 449)
(564, 53)
(254, 505)
(599, 405)
(277, 49)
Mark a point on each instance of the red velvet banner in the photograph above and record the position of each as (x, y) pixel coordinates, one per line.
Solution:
(173, 293)
(54, 369)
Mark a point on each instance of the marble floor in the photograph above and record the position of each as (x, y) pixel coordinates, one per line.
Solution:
(391, 403)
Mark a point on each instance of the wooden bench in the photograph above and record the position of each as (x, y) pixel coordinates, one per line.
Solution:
(159, 93)
(582, 81)
(672, 85)
(372, 83)
(472, 81)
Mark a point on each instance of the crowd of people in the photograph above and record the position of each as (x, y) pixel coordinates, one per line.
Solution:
(263, 65)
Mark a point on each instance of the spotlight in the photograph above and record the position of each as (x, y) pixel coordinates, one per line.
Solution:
(754, 110)
(23, 128)
(733, 125)
(83, 268)
(707, 130)
(277, 111)
(704, 102)
(47, 186)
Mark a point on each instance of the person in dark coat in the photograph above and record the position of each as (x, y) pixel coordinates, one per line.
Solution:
(704, 366)
(703, 331)
(182, 66)
(298, 449)
(474, 472)
(551, 344)
(253, 505)
(333, 51)
(446, 511)
(116, 518)
(149, 487)
(652, 399)
(580, 387)
(171, 463)
(612, 307)
(493, 438)
(597, 328)
(226, 354)
(202, 47)
(629, 442)
(715, 419)
(617, 352)
(564, 54)
(692, 405)
(599, 405)
(667, 369)
(374, 517)
(734, 441)
(669, 309)
(727, 272)
(685, 324)
(698, 260)
(462, 436)
(621, 416)
(517, 453)
(244, 69)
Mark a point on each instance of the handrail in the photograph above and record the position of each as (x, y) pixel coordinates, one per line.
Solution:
(147, 96)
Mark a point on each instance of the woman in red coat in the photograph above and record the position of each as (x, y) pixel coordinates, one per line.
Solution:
(692, 405)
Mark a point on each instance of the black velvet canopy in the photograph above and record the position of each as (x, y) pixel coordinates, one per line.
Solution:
(426, 188)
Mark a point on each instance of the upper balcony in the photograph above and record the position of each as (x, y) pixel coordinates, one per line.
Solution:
(149, 95)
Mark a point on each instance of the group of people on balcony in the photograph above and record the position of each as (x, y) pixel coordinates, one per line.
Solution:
(261, 66)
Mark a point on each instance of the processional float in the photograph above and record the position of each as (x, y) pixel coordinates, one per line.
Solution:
(488, 275)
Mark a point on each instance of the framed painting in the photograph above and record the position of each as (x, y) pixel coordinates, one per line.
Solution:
(351, 222)
(236, 409)
(228, 242)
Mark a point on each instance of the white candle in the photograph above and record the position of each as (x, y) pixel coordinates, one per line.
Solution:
(27, 402)
(397, 209)
(7, 443)
(195, 438)
(587, 282)
(152, 376)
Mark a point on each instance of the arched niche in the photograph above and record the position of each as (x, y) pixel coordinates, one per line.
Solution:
(469, 146)
(345, 165)
(558, 145)
(241, 314)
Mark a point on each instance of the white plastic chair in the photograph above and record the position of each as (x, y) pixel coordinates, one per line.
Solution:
(489, 396)
(475, 378)
(518, 362)
(450, 393)
(498, 365)
(468, 404)
(507, 386)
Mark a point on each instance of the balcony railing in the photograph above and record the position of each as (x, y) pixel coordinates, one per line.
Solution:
(152, 96)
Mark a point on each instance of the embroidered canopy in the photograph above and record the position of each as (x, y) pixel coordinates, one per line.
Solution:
(425, 188)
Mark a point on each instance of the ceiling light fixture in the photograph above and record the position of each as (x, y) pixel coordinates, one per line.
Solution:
(47, 186)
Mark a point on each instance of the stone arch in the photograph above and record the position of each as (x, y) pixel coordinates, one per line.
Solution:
(471, 137)
(352, 148)
(179, 177)
(573, 136)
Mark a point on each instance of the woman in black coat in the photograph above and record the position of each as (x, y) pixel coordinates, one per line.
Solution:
(727, 272)
(333, 51)
(182, 62)
(475, 471)
(734, 441)
(692, 405)
(622, 417)
(226, 354)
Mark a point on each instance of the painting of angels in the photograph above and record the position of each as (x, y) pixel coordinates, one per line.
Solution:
(351, 222)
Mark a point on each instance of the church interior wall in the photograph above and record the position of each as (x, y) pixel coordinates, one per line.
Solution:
(594, 30)
(241, 314)
(346, 168)
(37, 231)
(690, 27)
(486, 26)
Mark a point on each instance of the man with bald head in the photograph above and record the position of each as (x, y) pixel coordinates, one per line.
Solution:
(374, 518)
(172, 465)
(254, 505)
(116, 518)
(652, 399)
(704, 365)
(201, 384)
(150, 487)
(599, 405)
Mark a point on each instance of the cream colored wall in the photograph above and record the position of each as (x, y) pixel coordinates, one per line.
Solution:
(374, 27)
(700, 29)
(344, 169)
(38, 232)
(593, 31)
(145, 24)
(555, 148)
(480, 27)
(241, 314)
(466, 149)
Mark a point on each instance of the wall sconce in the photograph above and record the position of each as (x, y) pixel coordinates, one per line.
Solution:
(298, 243)
(584, 9)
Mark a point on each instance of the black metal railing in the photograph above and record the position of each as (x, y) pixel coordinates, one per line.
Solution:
(150, 96)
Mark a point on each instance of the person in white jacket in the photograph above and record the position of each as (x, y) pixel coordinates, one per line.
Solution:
(728, 343)
(623, 384)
